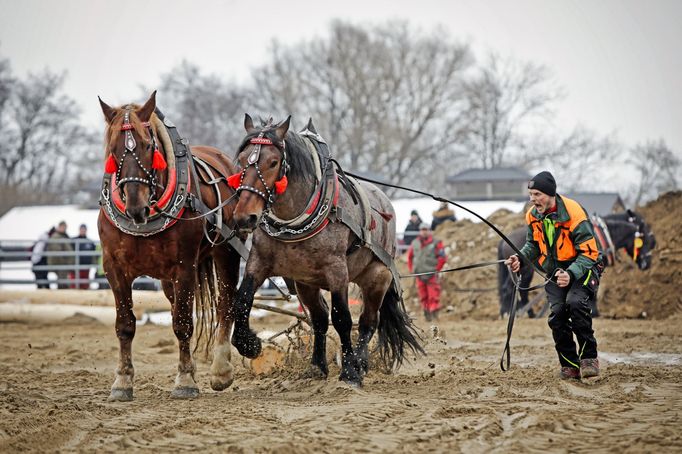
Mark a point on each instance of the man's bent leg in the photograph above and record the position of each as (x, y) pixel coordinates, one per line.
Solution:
(561, 329)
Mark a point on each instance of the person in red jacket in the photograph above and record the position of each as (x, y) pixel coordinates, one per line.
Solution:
(427, 255)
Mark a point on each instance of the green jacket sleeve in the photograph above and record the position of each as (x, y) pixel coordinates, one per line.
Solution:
(582, 264)
(530, 250)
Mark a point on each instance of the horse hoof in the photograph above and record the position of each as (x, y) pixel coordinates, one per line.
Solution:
(315, 371)
(121, 395)
(247, 344)
(220, 384)
(351, 377)
(185, 392)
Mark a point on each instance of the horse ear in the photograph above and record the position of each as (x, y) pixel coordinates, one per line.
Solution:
(311, 126)
(282, 128)
(108, 111)
(248, 123)
(145, 112)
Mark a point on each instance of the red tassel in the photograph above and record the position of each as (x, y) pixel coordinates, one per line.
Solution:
(158, 161)
(281, 185)
(235, 180)
(110, 164)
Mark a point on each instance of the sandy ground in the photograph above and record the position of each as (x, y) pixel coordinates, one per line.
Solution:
(55, 379)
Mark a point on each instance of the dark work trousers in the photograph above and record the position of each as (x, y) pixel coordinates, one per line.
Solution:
(569, 315)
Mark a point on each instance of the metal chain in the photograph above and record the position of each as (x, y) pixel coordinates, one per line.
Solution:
(305, 228)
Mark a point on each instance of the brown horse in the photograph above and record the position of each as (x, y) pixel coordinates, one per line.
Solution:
(141, 234)
(292, 191)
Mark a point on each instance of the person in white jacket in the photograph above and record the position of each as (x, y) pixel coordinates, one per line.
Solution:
(39, 260)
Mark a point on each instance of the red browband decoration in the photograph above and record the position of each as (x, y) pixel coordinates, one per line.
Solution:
(129, 126)
(260, 141)
(234, 181)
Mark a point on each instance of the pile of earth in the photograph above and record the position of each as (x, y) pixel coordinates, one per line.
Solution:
(626, 291)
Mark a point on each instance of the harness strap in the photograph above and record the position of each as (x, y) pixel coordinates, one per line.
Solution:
(213, 182)
(340, 215)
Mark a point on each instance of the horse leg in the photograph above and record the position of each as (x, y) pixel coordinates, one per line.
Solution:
(374, 284)
(243, 338)
(227, 271)
(343, 323)
(121, 286)
(319, 315)
(183, 327)
(169, 291)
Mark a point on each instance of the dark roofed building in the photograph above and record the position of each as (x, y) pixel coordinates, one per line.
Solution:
(601, 203)
(500, 183)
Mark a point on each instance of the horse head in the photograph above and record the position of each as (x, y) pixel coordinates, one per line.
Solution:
(262, 163)
(132, 154)
(643, 241)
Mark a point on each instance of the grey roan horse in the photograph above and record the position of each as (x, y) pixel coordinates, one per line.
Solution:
(278, 180)
(624, 229)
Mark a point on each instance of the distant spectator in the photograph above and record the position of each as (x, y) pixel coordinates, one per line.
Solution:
(427, 255)
(39, 260)
(441, 215)
(412, 229)
(65, 257)
(84, 244)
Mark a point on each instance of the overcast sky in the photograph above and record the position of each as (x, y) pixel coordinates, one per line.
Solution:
(620, 62)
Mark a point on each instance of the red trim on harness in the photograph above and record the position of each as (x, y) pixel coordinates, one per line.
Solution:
(260, 141)
(168, 193)
(129, 126)
(315, 202)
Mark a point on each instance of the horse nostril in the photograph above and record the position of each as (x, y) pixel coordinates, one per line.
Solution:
(251, 222)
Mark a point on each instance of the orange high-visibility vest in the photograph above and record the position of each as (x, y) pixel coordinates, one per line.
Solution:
(565, 249)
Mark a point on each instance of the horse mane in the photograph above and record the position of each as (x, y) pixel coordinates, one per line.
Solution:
(113, 131)
(298, 156)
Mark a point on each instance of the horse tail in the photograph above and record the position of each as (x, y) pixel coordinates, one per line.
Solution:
(505, 286)
(205, 304)
(396, 330)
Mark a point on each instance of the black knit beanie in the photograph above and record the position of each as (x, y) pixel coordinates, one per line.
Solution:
(543, 182)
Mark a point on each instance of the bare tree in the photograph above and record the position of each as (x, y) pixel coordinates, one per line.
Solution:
(42, 137)
(576, 159)
(506, 101)
(386, 98)
(658, 170)
(205, 108)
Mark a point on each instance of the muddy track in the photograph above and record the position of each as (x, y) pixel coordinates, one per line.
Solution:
(54, 381)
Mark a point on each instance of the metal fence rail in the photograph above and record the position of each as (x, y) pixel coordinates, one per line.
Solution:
(15, 258)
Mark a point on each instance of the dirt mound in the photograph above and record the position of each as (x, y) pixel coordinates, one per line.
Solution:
(626, 291)
(655, 293)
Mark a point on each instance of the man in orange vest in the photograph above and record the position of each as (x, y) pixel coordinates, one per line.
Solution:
(561, 238)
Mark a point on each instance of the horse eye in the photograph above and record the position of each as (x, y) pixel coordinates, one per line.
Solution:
(274, 164)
